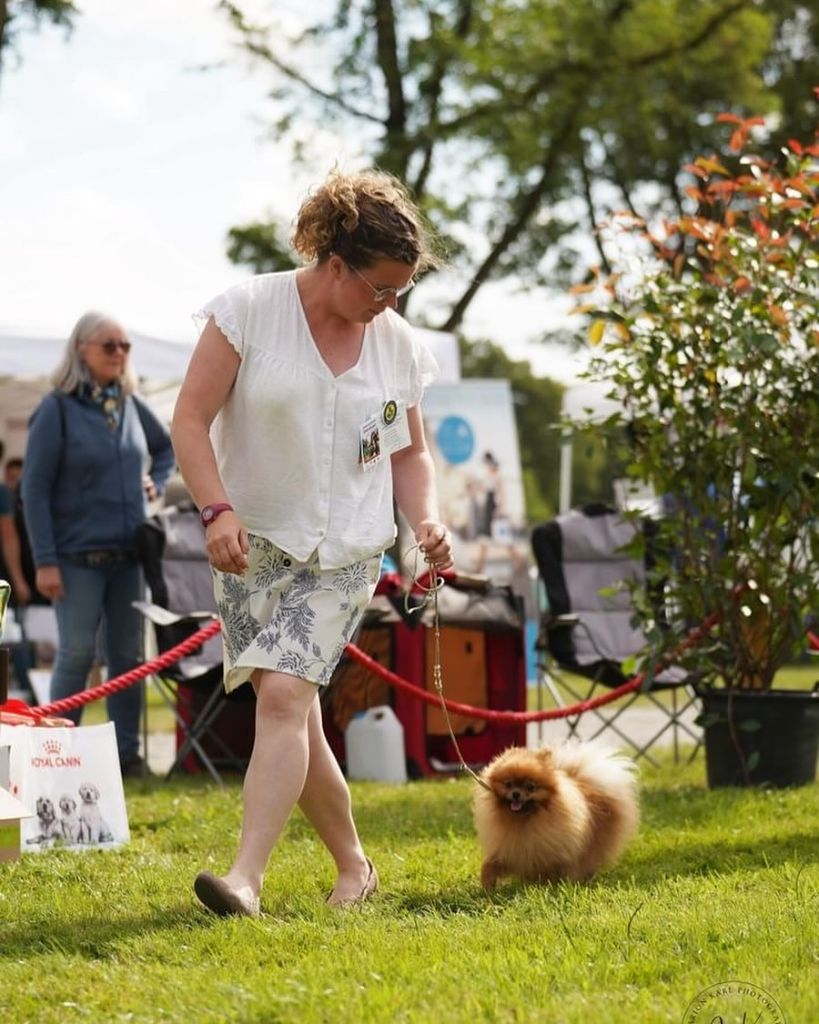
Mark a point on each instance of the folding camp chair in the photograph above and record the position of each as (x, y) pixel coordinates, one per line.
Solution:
(588, 631)
(213, 730)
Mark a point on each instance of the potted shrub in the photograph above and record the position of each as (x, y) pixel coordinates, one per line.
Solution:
(709, 343)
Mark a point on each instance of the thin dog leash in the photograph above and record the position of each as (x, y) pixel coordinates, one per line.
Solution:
(435, 584)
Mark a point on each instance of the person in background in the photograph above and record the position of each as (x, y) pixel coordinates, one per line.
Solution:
(11, 561)
(95, 456)
(12, 472)
(300, 370)
(13, 551)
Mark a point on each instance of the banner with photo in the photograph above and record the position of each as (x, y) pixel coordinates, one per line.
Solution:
(471, 433)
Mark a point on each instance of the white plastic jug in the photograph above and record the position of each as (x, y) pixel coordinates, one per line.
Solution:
(375, 746)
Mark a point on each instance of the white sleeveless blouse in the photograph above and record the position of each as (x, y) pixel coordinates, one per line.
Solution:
(287, 440)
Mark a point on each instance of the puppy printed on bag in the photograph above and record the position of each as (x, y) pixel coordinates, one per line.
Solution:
(71, 779)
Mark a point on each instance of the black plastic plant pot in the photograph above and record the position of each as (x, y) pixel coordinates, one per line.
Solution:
(758, 738)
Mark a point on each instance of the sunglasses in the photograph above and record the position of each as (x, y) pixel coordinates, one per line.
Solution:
(110, 346)
(383, 294)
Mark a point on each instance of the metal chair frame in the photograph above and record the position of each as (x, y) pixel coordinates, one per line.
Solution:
(194, 722)
(605, 673)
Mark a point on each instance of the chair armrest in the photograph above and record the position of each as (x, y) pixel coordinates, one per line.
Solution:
(162, 617)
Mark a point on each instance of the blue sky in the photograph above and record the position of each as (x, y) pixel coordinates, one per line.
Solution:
(122, 167)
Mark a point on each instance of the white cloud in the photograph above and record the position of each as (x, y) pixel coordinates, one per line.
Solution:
(118, 100)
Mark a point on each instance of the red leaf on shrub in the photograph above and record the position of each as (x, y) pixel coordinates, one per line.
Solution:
(795, 146)
(799, 184)
(694, 169)
(723, 187)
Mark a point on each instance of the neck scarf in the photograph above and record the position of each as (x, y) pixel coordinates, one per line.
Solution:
(110, 399)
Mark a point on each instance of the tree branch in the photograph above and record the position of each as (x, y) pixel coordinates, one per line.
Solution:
(254, 42)
(432, 90)
(599, 67)
(595, 227)
(387, 56)
(696, 40)
(529, 205)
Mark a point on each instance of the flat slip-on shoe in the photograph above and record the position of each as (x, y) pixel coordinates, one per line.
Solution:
(218, 896)
(370, 887)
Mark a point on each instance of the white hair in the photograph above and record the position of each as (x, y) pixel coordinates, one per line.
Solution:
(71, 371)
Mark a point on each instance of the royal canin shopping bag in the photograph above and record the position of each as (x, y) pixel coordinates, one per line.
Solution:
(71, 782)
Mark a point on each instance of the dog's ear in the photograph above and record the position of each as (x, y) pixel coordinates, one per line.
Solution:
(545, 755)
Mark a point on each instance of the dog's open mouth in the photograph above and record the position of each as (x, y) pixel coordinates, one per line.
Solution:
(519, 806)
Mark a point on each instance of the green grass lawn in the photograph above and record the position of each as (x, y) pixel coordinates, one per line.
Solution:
(717, 886)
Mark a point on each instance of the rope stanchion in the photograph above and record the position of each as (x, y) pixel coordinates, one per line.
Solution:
(127, 679)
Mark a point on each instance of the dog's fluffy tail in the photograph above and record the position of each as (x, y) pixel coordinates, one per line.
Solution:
(595, 763)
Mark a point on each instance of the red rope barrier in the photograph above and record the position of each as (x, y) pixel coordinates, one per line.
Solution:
(486, 713)
(194, 641)
(530, 716)
(127, 679)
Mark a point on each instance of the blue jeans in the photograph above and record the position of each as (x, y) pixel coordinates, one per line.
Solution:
(93, 595)
(22, 662)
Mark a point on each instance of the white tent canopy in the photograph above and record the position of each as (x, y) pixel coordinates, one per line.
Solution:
(26, 362)
(153, 358)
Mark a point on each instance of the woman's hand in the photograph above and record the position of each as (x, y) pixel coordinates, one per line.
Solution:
(49, 582)
(435, 542)
(150, 487)
(227, 544)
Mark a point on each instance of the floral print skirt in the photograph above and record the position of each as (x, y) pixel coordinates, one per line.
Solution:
(289, 616)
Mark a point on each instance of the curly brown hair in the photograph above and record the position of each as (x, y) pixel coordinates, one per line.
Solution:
(363, 217)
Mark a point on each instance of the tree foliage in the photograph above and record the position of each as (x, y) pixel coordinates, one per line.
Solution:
(519, 127)
(17, 14)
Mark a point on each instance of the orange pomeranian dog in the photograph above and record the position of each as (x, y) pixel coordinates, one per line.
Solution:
(565, 811)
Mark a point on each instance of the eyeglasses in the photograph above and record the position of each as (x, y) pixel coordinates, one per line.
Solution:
(110, 346)
(383, 294)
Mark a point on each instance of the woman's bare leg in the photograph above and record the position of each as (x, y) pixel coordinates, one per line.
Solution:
(325, 801)
(275, 775)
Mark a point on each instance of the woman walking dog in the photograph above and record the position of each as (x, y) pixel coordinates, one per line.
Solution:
(312, 383)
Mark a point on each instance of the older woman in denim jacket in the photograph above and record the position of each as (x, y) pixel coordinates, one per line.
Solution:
(95, 456)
